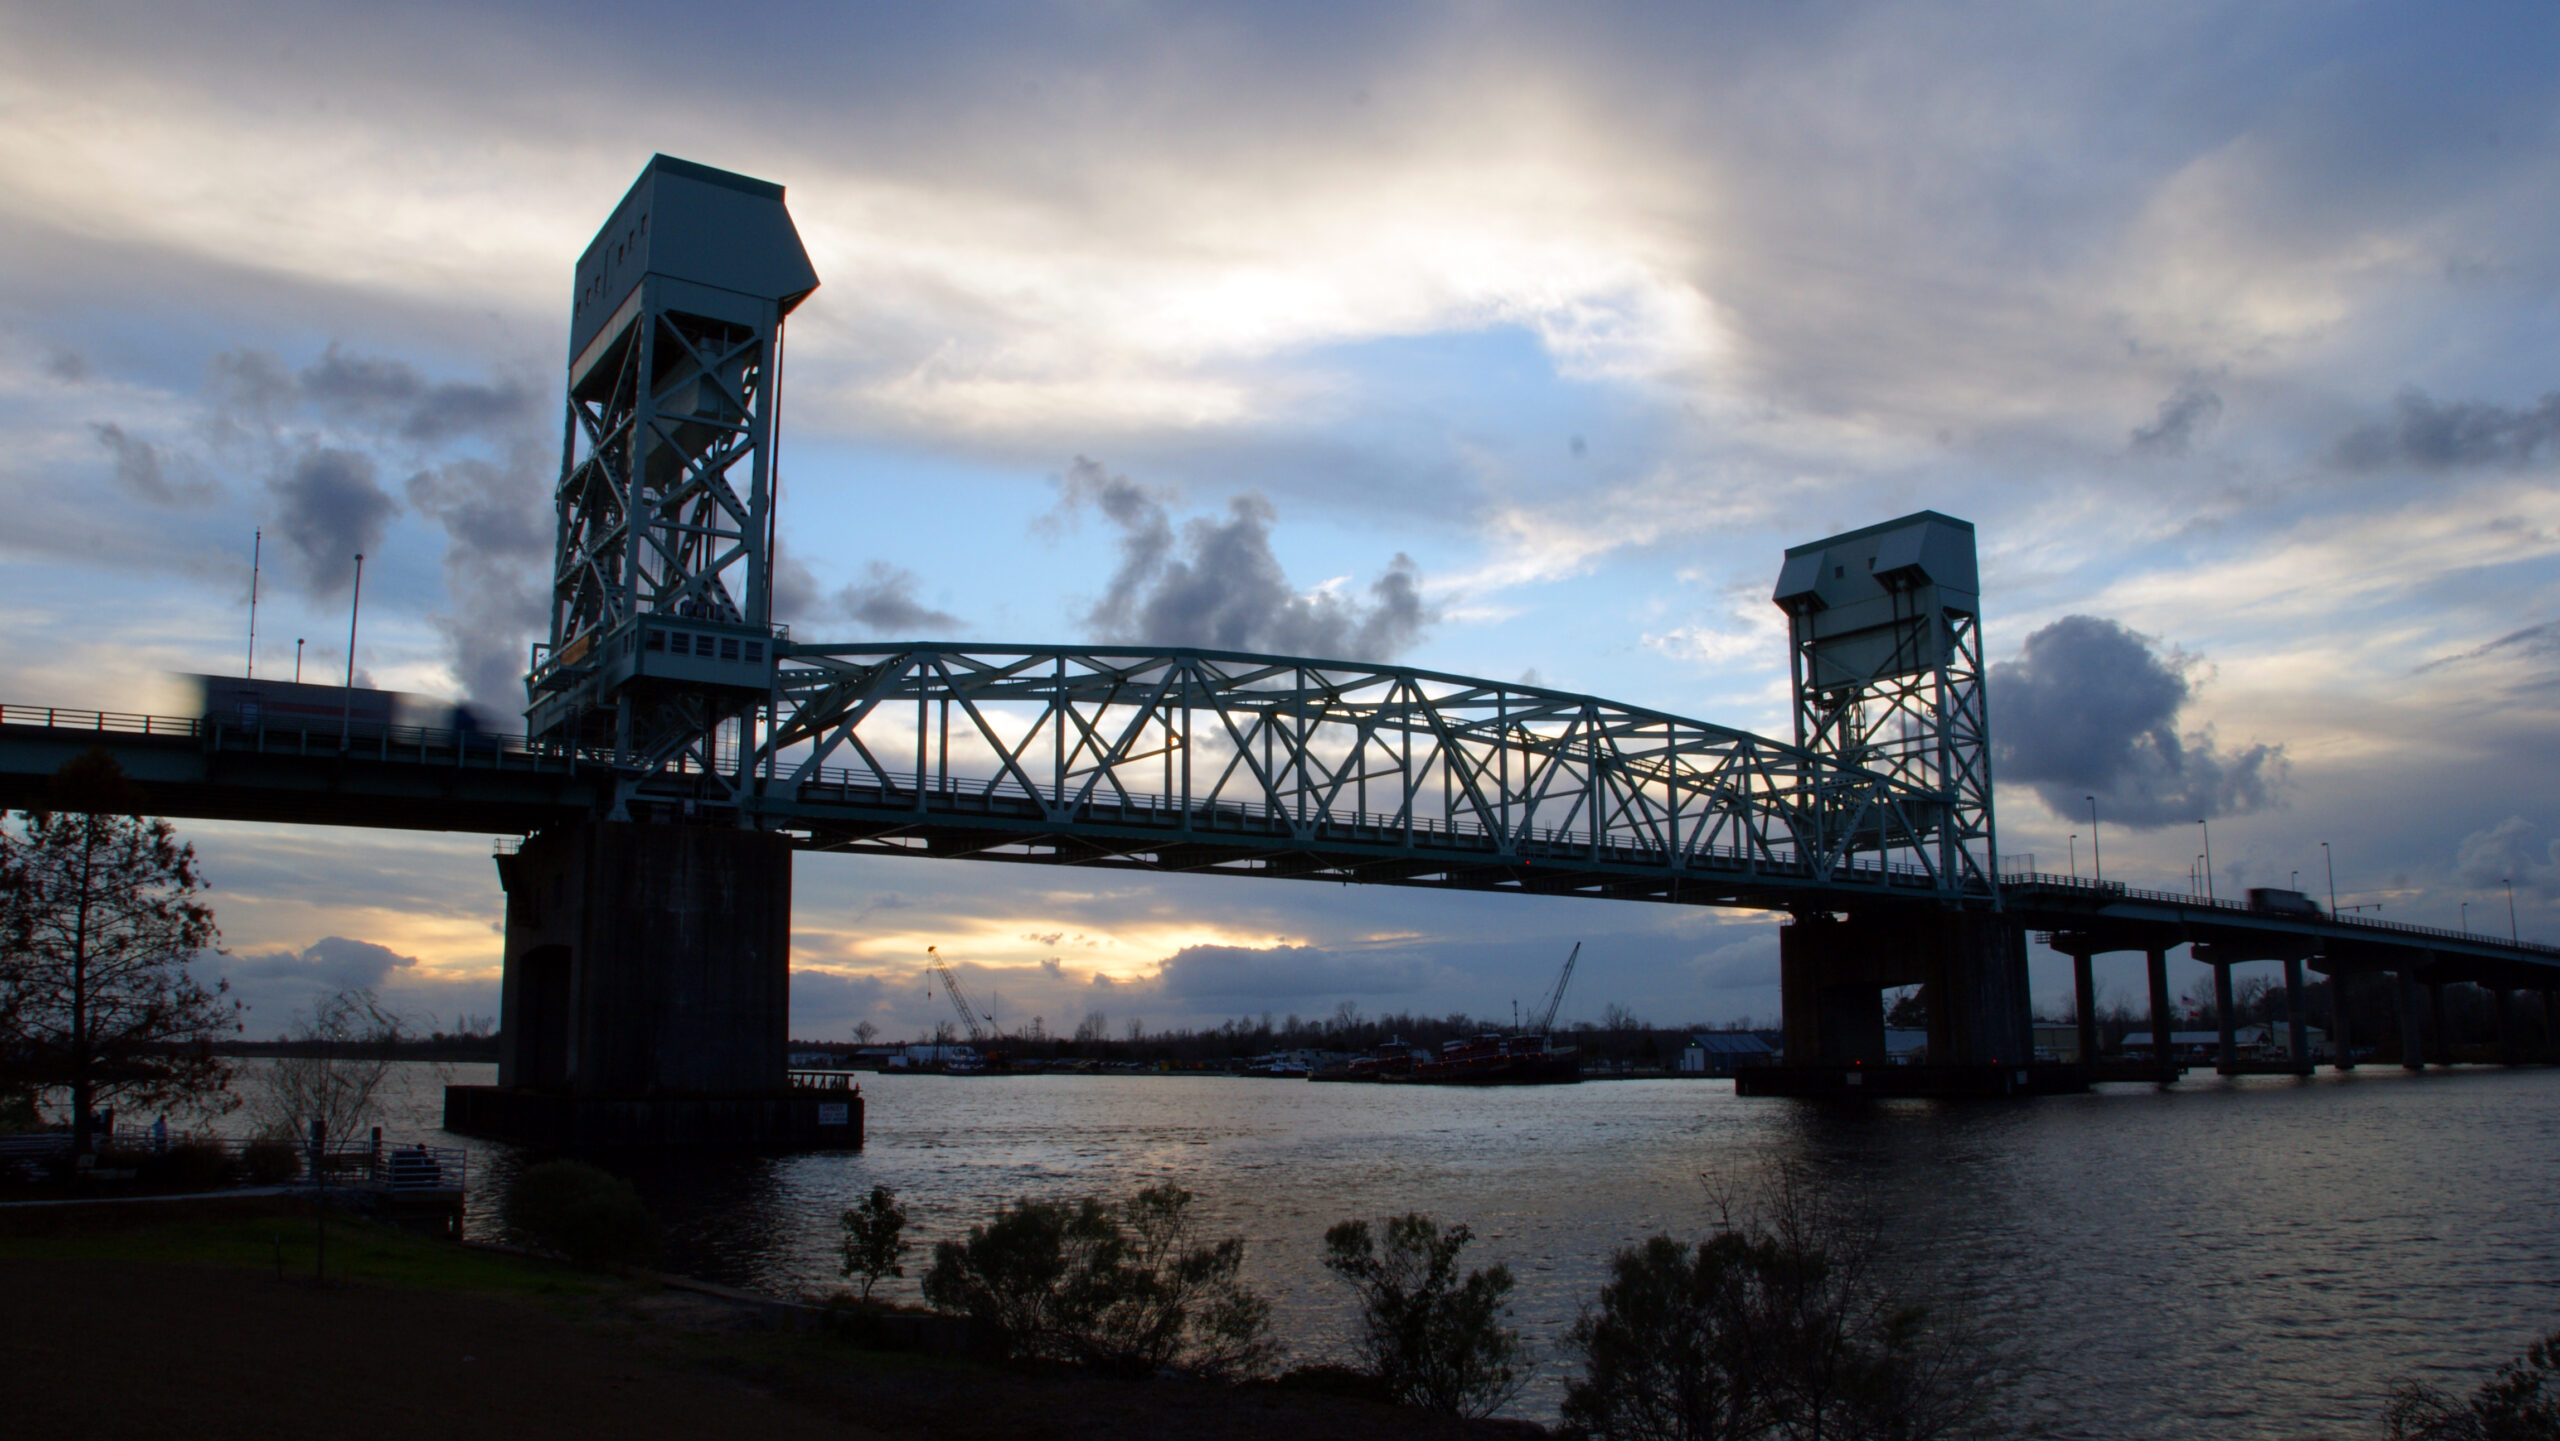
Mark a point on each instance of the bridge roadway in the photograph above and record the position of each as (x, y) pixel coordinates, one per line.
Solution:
(429, 780)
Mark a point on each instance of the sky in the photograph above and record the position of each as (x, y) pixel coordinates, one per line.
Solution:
(1508, 340)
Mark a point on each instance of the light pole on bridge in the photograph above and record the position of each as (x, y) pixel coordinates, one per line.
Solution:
(2208, 857)
(2510, 883)
(2097, 864)
(2331, 862)
(2075, 854)
(2466, 918)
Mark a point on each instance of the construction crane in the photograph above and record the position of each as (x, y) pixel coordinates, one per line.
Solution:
(981, 1031)
(1555, 999)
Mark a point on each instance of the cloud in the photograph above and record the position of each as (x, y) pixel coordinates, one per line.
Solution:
(2089, 709)
(827, 1005)
(2510, 851)
(884, 603)
(1216, 583)
(392, 395)
(497, 556)
(1241, 975)
(2189, 411)
(333, 511)
(140, 471)
(2424, 435)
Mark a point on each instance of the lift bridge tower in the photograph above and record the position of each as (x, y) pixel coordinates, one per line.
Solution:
(646, 993)
(1885, 641)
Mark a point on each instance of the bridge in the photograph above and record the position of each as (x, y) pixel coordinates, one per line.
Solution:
(680, 745)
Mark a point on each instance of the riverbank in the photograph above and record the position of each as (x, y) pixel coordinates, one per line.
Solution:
(202, 1319)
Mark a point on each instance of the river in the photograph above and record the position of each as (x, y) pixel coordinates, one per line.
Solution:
(2247, 1258)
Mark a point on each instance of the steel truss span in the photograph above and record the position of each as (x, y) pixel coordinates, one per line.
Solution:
(1214, 761)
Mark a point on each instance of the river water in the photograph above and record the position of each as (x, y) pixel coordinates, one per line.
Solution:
(2249, 1258)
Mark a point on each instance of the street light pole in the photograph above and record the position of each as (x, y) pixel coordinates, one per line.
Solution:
(2208, 856)
(347, 702)
(2466, 918)
(2097, 864)
(2075, 855)
(2332, 863)
(2510, 883)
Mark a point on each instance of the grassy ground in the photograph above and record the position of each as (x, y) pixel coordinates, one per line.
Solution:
(202, 1319)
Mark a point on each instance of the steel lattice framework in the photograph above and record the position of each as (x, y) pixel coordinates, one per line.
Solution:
(1209, 760)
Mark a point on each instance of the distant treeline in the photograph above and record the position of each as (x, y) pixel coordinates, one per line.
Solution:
(469, 1046)
(1619, 1038)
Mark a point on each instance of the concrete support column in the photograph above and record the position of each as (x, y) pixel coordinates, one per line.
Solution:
(2341, 1038)
(2551, 1022)
(2501, 998)
(2439, 1034)
(2298, 1042)
(2160, 1020)
(2413, 1036)
(2085, 995)
(2229, 1061)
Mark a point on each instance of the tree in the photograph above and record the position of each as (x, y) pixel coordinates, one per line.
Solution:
(1430, 1338)
(1123, 1287)
(340, 1057)
(863, 1032)
(1909, 1011)
(1780, 1326)
(2520, 1403)
(100, 917)
(874, 1239)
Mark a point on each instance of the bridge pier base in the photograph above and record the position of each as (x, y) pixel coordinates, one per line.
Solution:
(2227, 1059)
(646, 997)
(1972, 968)
(2163, 1021)
(2413, 1036)
(2342, 1046)
(2297, 1025)
(2084, 997)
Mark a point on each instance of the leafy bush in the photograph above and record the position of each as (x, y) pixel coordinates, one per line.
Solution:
(874, 1239)
(271, 1162)
(2520, 1403)
(1123, 1287)
(1781, 1329)
(1430, 1338)
(587, 1214)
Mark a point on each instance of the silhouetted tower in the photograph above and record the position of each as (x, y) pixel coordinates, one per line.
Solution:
(662, 637)
(1885, 636)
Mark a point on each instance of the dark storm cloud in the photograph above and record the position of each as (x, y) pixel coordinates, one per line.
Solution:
(498, 533)
(2189, 411)
(331, 510)
(2424, 434)
(1234, 975)
(826, 1006)
(884, 603)
(1216, 583)
(2090, 709)
(392, 394)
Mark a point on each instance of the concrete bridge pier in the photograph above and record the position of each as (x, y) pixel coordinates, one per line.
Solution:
(2228, 1062)
(1972, 970)
(2297, 1024)
(2439, 1034)
(646, 998)
(2342, 1047)
(2085, 997)
(2551, 1022)
(2162, 1022)
(2413, 1040)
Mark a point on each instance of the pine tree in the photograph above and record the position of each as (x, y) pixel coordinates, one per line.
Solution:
(100, 916)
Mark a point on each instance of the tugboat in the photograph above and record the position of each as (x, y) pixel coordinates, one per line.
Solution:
(1392, 1061)
(1493, 1059)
